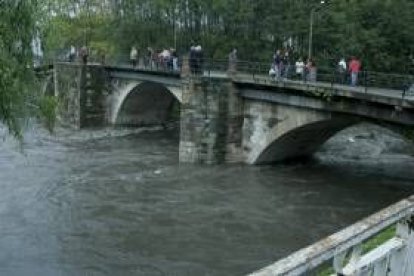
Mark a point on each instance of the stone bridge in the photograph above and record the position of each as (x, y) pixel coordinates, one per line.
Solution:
(225, 117)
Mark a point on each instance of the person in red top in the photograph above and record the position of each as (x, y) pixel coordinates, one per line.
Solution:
(354, 69)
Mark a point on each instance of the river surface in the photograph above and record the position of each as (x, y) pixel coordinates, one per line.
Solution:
(116, 202)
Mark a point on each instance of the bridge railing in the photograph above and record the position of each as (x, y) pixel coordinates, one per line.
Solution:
(345, 249)
(368, 81)
(259, 72)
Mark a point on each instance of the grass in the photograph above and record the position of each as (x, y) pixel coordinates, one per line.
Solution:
(370, 244)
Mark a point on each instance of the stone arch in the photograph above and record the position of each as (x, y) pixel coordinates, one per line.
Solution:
(147, 102)
(298, 142)
(273, 133)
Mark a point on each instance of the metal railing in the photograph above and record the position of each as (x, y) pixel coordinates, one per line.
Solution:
(368, 81)
(395, 85)
(393, 258)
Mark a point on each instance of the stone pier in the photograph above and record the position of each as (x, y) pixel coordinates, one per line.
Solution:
(211, 121)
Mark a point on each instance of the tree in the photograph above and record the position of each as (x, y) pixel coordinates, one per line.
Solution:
(16, 75)
(380, 32)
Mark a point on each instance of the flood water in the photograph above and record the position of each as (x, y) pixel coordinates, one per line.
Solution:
(116, 202)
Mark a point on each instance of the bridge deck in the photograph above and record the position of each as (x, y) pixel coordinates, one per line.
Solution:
(369, 93)
(390, 93)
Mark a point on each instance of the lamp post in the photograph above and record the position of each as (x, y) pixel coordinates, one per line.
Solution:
(312, 15)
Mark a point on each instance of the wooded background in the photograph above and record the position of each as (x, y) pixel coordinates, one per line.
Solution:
(379, 32)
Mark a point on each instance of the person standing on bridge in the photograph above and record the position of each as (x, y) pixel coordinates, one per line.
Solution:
(289, 63)
(233, 61)
(174, 57)
(133, 56)
(148, 58)
(311, 71)
(199, 56)
(300, 68)
(277, 61)
(342, 69)
(192, 59)
(84, 53)
(72, 53)
(354, 69)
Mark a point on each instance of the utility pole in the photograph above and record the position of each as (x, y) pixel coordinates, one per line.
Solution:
(312, 13)
(312, 17)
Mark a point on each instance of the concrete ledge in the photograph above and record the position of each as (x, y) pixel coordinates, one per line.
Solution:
(307, 259)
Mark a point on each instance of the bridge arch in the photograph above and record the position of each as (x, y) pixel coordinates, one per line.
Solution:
(301, 141)
(275, 133)
(143, 103)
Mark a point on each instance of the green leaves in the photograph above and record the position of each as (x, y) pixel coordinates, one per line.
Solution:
(380, 32)
(16, 77)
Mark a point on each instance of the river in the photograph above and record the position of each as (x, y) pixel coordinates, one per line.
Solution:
(116, 202)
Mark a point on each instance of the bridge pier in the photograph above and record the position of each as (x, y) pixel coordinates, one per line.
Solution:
(82, 95)
(211, 121)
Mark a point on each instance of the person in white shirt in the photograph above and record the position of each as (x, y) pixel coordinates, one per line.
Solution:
(72, 53)
(134, 56)
(300, 67)
(342, 70)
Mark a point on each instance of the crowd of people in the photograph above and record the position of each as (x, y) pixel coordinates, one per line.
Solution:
(284, 67)
(166, 59)
(283, 64)
(83, 54)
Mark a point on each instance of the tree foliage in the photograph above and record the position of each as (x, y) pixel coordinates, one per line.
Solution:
(380, 32)
(16, 34)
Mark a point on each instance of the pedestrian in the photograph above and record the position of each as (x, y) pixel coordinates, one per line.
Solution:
(133, 56)
(165, 59)
(84, 53)
(277, 61)
(193, 61)
(148, 58)
(272, 71)
(286, 63)
(233, 60)
(174, 60)
(72, 53)
(342, 69)
(311, 70)
(354, 69)
(300, 68)
(199, 56)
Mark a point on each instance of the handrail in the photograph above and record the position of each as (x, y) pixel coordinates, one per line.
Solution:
(258, 72)
(310, 258)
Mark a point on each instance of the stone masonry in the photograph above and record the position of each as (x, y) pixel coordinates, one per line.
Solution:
(222, 119)
(81, 93)
(210, 121)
